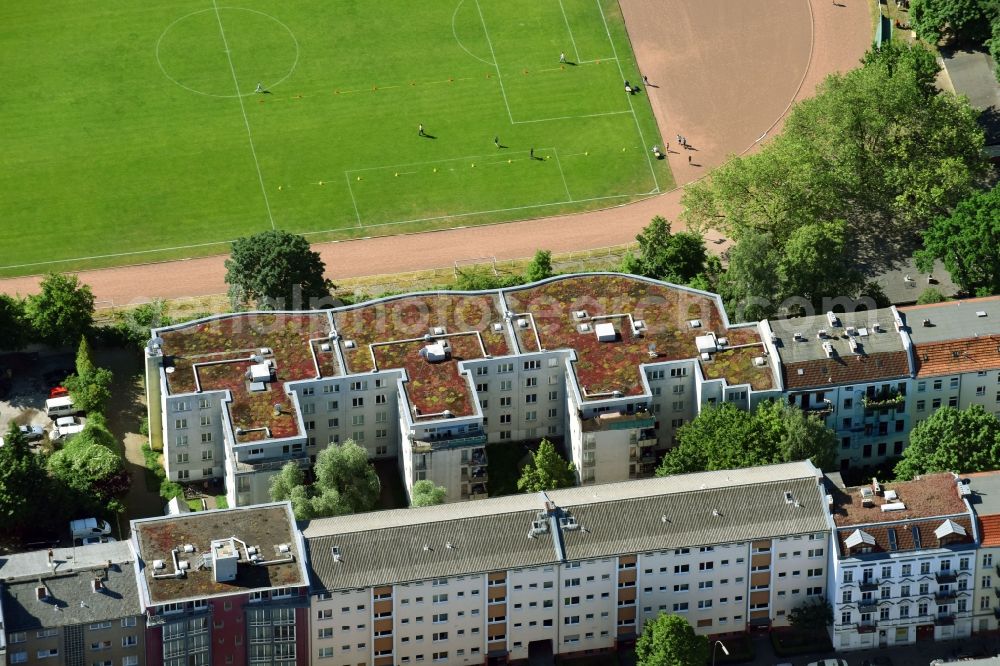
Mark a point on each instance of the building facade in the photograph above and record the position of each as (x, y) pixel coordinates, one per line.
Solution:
(567, 572)
(223, 587)
(904, 562)
(72, 606)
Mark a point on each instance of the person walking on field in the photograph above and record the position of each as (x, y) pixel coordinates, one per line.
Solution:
(420, 130)
(496, 142)
(562, 57)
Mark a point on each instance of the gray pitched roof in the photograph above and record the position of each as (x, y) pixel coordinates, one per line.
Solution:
(389, 546)
(694, 518)
(71, 598)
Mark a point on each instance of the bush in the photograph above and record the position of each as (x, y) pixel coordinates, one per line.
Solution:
(170, 490)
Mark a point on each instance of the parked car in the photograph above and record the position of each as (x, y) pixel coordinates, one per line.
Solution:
(32, 433)
(90, 541)
(66, 426)
(829, 662)
(89, 528)
(58, 392)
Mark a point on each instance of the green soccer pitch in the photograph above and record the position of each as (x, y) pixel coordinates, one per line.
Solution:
(133, 131)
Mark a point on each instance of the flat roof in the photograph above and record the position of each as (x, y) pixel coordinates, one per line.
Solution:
(952, 320)
(215, 354)
(928, 496)
(265, 526)
(566, 311)
(877, 353)
(71, 597)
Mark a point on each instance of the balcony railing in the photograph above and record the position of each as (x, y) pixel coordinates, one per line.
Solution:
(867, 602)
(470, 439)
(868, 585)
(820, 409)
(944, 596)
(944, 619)
(883, 400)
(946, 576)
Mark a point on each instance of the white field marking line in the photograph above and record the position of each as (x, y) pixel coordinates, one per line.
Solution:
(450, 159)
(308, 233)
(597, 61)
(246, 121)
(354, 201)
(562, 174)
(244, 9)
(570, 31)
(494, 56)
(586, 115)
(480, 212)
(642, 138)
(460, 44)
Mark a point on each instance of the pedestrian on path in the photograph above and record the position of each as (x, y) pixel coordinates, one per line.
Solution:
(645, 80)
(689, 159)
(420, 129)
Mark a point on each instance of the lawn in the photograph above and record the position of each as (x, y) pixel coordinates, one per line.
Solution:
(133, 132)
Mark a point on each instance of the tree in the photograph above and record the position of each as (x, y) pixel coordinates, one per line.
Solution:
(963, 20)
(546, 471)
(345, 483)
(748, 285)
(275, 270)
(91, 463)
(814, 264)
(663, 255)
(930, 295)
(968, 242)
(727, 437)
(540, 267)
(669, 640)
(952, 440)
(878, 147)
(14, 327)
(89, 386)
(62, 311)
(425, 493)
(22, 482)
(812, 617)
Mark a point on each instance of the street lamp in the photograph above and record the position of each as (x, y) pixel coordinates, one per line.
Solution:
(724, 650)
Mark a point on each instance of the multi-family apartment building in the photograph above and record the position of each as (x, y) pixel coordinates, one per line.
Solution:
(853, 370)
(569, 571)
(985, 500)
(904, 562)
(610, 364)
(72, 606)
(223, 587)
(957, 355)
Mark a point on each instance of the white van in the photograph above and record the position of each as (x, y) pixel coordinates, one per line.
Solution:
(56, 407)
(66, 426)
(89, 527)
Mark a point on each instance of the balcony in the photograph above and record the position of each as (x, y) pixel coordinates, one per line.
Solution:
(884, 400)
(944, 620)
(467, 440)
(620, 421)
(946, 577)
(647, 437)
(821, 409)
(478, 491)
(869, 585)
(944, 596)
(302, 460)
(866, 603)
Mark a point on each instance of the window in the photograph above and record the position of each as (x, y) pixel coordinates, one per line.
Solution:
(130, 660)
(682, 568)
(130, 641)
(357, 402)
(180, 423)
(681, 607)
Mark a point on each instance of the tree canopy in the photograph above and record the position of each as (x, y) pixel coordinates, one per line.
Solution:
(546, 471)
(345, 483)
(727, 437)
(669, 640)
(952, 440)
(812, 617)
(968, 242)
(14, 327)
(91, 463)
(22, 482)
(874, 155)
(663, 255)
(961, 20)
(540, 267)
(89, 386)
(425, 493)
(62, 311)
(276, 270)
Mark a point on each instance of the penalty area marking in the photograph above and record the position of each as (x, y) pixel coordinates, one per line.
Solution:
(454, 33)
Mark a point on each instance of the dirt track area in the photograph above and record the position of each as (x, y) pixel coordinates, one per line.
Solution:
(724, 74)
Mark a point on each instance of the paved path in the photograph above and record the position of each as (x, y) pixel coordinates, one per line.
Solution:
(727, 73)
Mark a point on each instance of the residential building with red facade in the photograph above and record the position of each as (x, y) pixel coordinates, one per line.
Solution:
(223, 587)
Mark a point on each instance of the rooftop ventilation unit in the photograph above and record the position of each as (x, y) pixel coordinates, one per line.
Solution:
(828, 349)
(927, 323)
(832, 318)
(580, 314)
(349, 344)
(325, 347)
(759, 361)
(158, 565)
(852, 342)
(438, 330)
(798, 337)
(569, 523)
(584, 328)
(821, 334)
(694, 323)
(789, 498)
(723, 342)
(335, 552)
(522, 323)
(266, 351)
(638, 327)
(606, 332)
(867, 497)
(980, 313)
(964, 490)
(498, 327)
(850, 330)
(891, 496)
(893, 506)
(877, 327)
(188, 548)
